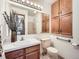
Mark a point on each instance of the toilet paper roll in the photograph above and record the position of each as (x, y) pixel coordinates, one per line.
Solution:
(75, 44)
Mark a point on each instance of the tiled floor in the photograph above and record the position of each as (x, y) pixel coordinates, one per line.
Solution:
(45, 57)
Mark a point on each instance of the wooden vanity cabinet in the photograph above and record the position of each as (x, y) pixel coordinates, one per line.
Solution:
(18, 54)
(33, 55)
(21, 57)
(32, 52)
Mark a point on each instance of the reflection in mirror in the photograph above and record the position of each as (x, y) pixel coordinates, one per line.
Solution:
(45, 23)
(20, 26)
(31, 22)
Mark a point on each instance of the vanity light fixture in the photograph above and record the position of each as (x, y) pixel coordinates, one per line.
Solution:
(27, 1)
(32, 3)
(23, 0)
(35, 12)
(29, 4)
(35, 4)
(38, 6)
(41, 7)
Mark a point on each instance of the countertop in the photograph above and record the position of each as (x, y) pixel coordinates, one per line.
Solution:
(20, 44)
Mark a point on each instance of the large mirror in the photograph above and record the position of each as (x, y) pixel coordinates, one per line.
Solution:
(25, 22)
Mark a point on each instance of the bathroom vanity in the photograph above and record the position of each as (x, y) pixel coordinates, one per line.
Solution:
(27, 49)
(32, 52)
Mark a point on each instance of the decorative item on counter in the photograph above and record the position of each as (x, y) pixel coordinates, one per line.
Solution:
(0, 33)
(11, 22)
(0, 50)
(0, 43)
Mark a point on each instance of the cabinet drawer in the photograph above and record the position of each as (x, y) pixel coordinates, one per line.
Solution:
(14, 54)
(21, 57)
(33, 48)
(33, 55)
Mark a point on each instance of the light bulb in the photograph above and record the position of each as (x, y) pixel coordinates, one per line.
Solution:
(38, 6)
(35, 12)
(35, 4)
(31, 3)
(41, 7)
(23, 0)
(27, 2)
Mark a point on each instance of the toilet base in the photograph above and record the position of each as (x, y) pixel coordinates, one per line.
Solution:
(44, 52)
(54, 56)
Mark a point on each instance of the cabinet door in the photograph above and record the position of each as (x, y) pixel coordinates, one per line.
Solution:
(65, 6)
(33, 55)
(66, 24)
(55, 9)
(14, 54)
(21, 57)
(55, 25)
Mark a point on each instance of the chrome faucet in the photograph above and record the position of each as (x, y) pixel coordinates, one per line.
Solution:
(22, 39)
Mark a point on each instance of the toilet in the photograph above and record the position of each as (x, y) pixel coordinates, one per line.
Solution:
(48, 48)
(45, 43)
(52, 52)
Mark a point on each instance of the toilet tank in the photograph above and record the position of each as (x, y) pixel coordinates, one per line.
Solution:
(46, 42)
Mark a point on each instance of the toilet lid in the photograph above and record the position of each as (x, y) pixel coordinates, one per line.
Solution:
(52, 50)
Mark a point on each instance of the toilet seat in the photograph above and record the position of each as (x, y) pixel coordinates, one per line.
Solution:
(52, 50)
